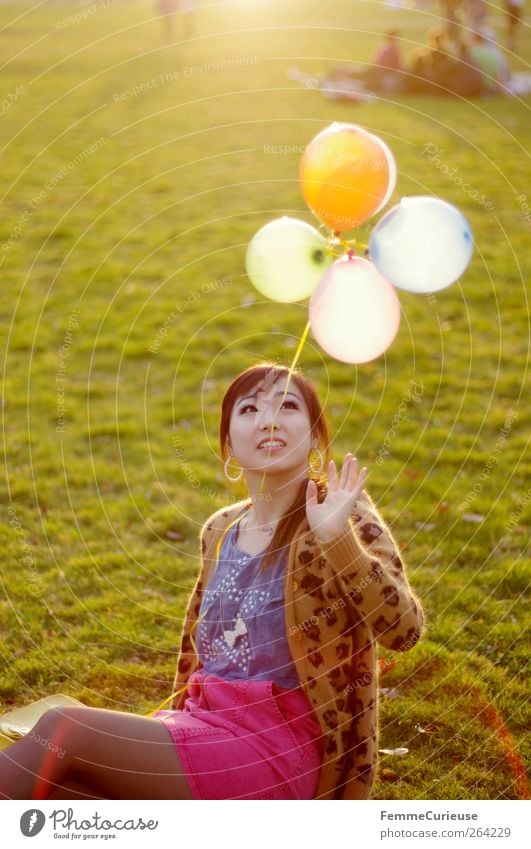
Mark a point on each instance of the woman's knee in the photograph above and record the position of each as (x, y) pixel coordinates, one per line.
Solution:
(54, 719)
(47, 723)
(58, 729)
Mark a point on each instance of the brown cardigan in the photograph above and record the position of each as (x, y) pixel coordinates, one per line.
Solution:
(340, 597)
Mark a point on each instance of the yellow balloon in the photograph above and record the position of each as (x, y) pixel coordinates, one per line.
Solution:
(286, 259)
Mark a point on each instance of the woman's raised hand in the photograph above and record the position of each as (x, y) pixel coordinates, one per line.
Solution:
(330, 518)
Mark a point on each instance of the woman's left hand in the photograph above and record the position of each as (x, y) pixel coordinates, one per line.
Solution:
(330, 518)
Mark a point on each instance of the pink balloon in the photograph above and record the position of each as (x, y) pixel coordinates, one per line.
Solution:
(354, 311)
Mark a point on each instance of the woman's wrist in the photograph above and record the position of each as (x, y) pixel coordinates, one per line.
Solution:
(344, 548)
(328, 536)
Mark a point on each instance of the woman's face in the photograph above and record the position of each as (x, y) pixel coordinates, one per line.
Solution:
(269, 432)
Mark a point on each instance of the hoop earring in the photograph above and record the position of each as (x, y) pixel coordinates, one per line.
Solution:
(226, 470)
(314, 456)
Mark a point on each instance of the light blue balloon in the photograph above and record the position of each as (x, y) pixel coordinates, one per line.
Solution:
(422, 245)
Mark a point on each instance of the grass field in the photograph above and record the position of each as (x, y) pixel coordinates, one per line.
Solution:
(134, 174)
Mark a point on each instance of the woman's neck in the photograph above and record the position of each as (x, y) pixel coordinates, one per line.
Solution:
(272, 495)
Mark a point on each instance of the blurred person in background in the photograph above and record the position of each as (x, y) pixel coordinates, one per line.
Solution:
(463, 78)
(382, 74)
(450, 10)
(166, 9)
(386, 68)
(491, 63)
(513, 10)
(430, 66)
(476, 14)
(186, 9)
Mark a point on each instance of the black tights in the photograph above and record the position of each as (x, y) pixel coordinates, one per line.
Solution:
(88, 753)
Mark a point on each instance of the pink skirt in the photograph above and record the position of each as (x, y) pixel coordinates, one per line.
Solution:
(246, 740)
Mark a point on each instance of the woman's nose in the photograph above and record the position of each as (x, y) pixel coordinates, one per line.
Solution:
(267, 417)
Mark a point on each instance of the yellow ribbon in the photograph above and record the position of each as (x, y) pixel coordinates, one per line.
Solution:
(231, 524)
(196, 623)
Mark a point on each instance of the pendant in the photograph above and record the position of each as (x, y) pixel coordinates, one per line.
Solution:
(240, 629)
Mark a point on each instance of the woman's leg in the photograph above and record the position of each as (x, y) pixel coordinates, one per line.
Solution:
(108, 754)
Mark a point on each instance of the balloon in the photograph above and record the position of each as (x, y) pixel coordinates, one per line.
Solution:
(421, 245)
(354, 311)
(286, 259)
(347, 175)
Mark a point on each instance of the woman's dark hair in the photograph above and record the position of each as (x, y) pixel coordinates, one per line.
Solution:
(242, 385)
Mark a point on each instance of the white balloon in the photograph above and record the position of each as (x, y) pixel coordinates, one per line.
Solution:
(354, 311)
(422, 245)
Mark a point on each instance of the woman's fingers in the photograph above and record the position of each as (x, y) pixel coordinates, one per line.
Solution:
(352, 479)
(311, 494)
(349, 474)
(332, 476)
(352, 472)
(345, 472)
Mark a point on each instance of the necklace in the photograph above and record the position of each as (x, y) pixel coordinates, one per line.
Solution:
(266, 529)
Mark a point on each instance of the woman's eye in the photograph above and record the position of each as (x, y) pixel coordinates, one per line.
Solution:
(246, 407)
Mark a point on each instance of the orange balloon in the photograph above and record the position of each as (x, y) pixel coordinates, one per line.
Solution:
(347, 175)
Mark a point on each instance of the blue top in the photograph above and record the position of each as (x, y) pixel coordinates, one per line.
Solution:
(243, 635)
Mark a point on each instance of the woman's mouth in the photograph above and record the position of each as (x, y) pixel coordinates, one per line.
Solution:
(271, 444)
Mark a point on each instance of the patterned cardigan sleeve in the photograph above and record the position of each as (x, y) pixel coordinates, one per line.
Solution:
(370, 574)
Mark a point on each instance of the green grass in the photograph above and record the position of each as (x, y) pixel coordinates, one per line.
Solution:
(100, 545)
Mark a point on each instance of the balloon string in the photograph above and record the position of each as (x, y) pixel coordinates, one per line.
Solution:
(346, 243)
(300, 346)
(338, 246)
(237, 519)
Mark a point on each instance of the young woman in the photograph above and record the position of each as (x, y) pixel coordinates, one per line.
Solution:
(276, 685)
